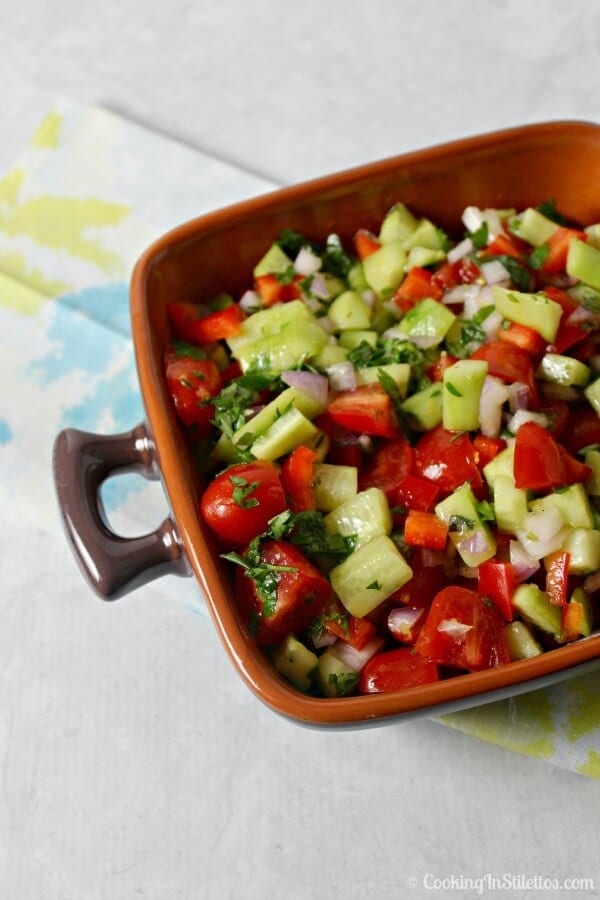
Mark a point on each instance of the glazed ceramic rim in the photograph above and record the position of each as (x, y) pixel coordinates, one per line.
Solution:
(256, 671)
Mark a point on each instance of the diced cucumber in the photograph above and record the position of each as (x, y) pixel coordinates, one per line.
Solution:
(423, 256)
(592, 395)
(356, 278)
(500, 465)
(459, 511)
(580, 597)
(284, 435)
(510, 504)
(533, 227)
(593, 233)
(572, 504)
(352, 339)
(425, 235)
(563, 370)
(384, 269)
(285, 350)
(365, 515)
(398, 372)
(398, 224)
(460, 397)
(583, 262)
(425, 407)
(535, 607)
(583, 545)
(295, 662)
(521, 642)
(267, 322)
(382, 317)
(336, 679)
(334, 485)
(329, 355)
(592, 485)
(370, 575)
(428, 321)
(349, 310)
(335, 286)
(585, 295)
(319, 443)
(290, 398)
(274, 261)
(544, 520)
(536, 311)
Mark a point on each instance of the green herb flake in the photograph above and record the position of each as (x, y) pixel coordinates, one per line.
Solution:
(487, 602)
(242, 490)
(182, 350)
(452, 390)
(486, 511)
(264, 575)
(460, 524)
(287, 276)
(186, 383)
(374, 586)
(479, 238)
(343, 682)
(548, 208)
(519, 275)
(443, 239)
(335, 260)
(538, 257)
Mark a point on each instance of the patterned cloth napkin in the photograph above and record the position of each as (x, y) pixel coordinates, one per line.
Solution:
(85, 197)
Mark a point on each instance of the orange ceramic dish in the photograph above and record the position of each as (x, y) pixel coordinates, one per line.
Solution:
(217, 252)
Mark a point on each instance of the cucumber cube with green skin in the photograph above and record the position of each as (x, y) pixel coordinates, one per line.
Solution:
(334, 285)
(585, 295)
(510, 504)
(580, 596)
(273, 262)
(460, 397)
(334, 485)
(533, 227)
(295, 662)
(459, 511)
(593, 233)
(268, 322)
(427, 322)
(356, 278)
(292, 344)
(423, 256)
(592, 485)
(572, 504)
(565, 370)
(502, 464)
(329, 355)
(425, 407)
(592, 395)
(583, 547)
(370, 575)
(398, 224)
(535, 607)
(336, 679)
(353, 338)
(365, 516)
(535, 311)
(398, 372)
(284, 435)
(384, 269)
(583, 262)
(425, 235)
(349, 310)
(521, 642)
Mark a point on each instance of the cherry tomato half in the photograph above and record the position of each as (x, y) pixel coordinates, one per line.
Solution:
(238, 504)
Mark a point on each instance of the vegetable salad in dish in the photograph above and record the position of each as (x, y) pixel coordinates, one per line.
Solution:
(398, 445)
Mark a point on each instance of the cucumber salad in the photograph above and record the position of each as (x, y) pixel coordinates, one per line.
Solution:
(398, 445)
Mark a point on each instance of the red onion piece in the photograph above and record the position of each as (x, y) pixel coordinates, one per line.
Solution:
(307, 262)
(325, 639)
(342, 376)
(492, 398)
(353, 658)
(311, 383)
(319, 288)
(581, 314)
(453, 628)
(494, 272)
(519, 396)
(402, 620)
(432, 558)
(465, 247)
(326, 324)
(522, 562)
(474, 544)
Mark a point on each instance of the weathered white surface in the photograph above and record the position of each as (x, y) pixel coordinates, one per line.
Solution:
(134, 762)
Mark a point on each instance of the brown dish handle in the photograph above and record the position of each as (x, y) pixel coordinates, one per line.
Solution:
(113, 565)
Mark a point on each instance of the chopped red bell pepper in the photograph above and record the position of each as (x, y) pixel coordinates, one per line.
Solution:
(542, 464)
(524, 337)
(572, 620)
(558, 244)
(189, 324)
(272, 290)
(423, 529)
(417, 285)
(297, 478)
(557, 574)
(415, 493)
(497, 581)
(366, 410)
(357, 632)
(488, 448)
(507, 245)
(365, 243)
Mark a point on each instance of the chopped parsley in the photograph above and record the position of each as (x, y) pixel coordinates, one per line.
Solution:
(452, 390)
(186, 383)
(292, 242)
(385, 352)
(460, 525)
(335, 260)
(479, 238)
(519, 274)
(242, 490)
(443, 239)
(307, 531)
(374, 586)
(286, 276)
(548, 208)
(343, 682)
(486, 511)
(182, 349)
(318, 626)
(538, 257)
(264, 575)
(471, 333)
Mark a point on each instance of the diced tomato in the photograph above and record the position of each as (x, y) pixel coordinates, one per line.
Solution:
(366, 410)
(497, 581)
(447, 460)
(300, 594)
(297, 478)
(345, 455)
(435, 372)
(466, 270)
(464, 630)
(558, 244)
(422, 587)
(523, 337)
(365, 243)
(510, 364)
(189, 324)
(568, 334)
(358, 632)
(557, 574)
(272, 290)
(572, 620)
(487, 448)
(239, 502)
(191, 382)
(584, 429)
(423, 529)
(344, 450)
(233, 371)
(507, 245)
(445, 276)
(417, 285)
(396, 670)
(558, 417)
(569, 304)
(391, 462)
(542, 464)
(414, 493)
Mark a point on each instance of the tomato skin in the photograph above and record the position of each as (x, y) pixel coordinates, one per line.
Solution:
(435, 372)
(297, 478)
(301, 595)
(417, 285)
(482, 646)
(557, 575)
(445, 277)
(447, 460)
(190, 382)
(584, 429)
(542, 464)
(360, 631)
(509, 363)
(396, 670)
(466, 270)
(390, 463)
(488, 448)
(236, 524)
(414, 493)
(558, 243)
(366, 410)
(525, 338)
(423, 529)
(189, 323)
(507, 245)
(272, 291)
(558, 416)
(365, 243)
(497, 581)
